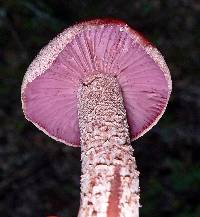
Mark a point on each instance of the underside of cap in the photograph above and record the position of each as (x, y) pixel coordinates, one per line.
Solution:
(50, 85)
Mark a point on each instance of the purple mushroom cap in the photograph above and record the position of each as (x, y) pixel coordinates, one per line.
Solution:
(50, 85)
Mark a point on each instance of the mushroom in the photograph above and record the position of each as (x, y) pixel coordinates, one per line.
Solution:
(99, 85)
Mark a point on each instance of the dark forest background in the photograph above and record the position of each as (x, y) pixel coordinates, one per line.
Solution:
(40, 177)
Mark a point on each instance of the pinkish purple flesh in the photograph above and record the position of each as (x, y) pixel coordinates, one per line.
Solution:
(99, 85)
(50, 100)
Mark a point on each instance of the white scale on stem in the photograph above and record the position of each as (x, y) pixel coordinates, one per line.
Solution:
(109, 181)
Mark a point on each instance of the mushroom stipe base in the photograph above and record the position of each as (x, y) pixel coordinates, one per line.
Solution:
(110, 180)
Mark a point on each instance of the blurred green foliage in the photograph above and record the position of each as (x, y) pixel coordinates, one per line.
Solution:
(38, 176)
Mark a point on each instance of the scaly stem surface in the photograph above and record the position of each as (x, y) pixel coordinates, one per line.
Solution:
(109, 181)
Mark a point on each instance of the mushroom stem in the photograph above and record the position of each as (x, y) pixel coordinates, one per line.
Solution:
(109, 181)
